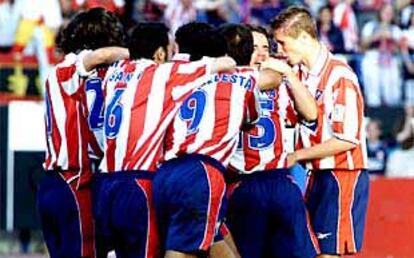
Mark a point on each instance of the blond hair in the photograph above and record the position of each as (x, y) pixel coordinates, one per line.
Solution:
(294, 20)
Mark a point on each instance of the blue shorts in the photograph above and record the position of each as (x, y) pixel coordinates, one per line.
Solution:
(337, 202)
(267, 217)
(189, 196)
(66, 216)
(124, 214)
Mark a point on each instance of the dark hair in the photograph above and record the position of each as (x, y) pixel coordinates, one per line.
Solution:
(261, 30)
(146, 38)
(91, 29)
(295, 19)
(239, 41)
(200, 39)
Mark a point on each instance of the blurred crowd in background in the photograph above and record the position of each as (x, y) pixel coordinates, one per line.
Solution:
(376, 37)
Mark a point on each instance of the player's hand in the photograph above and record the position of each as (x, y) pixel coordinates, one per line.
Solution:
(291, 159)
(223, 64)
(276, 65)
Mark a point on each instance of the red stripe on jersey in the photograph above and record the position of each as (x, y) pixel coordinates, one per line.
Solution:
(65, 73)
(138, 115)
(357, 153)
(71, 129)
(110, 154)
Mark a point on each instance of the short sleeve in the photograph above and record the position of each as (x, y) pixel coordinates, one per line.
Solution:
(346, 113)
(80, 67)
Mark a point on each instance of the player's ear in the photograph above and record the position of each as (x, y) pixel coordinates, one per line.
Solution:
(160, 55)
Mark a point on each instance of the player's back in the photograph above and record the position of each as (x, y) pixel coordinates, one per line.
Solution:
(210, 120)
(73, 112)
(141, 100)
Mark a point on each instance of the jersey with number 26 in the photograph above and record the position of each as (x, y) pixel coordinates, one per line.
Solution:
(142, 98)
(209, 121)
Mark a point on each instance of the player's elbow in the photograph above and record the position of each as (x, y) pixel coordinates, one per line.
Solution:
(311, 113)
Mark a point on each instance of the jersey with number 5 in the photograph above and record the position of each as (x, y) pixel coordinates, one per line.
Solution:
(209, 121)
(266, 145)
(141, 100)
(73, 118)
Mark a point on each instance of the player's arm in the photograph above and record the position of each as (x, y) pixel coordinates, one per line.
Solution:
(222, 64)
(305, 104)
(106, 55)
(269, 79)
(328, 148)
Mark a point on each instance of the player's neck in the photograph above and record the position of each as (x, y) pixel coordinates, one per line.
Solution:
(311, 56)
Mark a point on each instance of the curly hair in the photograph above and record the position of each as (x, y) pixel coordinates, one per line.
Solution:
(91, 29)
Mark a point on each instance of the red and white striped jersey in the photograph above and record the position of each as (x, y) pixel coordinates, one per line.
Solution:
(340, 112)
(210, 120)
(267, 144)
(73, 110)
(142, 98)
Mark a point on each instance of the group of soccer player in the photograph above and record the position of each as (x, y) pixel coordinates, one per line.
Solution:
(189, 156)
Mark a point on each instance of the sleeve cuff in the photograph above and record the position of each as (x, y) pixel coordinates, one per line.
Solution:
(80, 68)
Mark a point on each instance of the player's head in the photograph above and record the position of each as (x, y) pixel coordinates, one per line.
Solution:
(200, 39)
(239, 41)
(91, 29)
(189, 38)
(149, 40)
(261, 45)
(295, 32)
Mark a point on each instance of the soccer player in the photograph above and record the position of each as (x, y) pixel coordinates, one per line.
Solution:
(267, 213)
(334, 146)
(64, 198)
(189, 188)
(142, 98)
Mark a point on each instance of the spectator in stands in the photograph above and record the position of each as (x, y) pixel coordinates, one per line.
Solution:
(407, 51)
(377, 148)
(328, 32)
(213, 12)
(8, 24)
(380, 68)
(115, 6)
(406, 8)
(179, 12)
(399, 162)
(39, 22)
(263, 11)
(344, 17)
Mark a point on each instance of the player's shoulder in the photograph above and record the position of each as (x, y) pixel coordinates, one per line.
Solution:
(339, 69)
